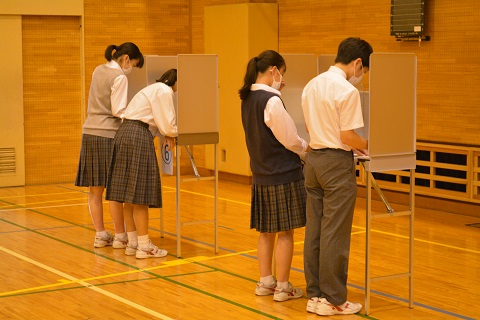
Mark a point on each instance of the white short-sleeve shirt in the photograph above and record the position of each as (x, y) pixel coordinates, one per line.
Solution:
(331, 104)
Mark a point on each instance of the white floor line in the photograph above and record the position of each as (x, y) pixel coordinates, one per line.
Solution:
(47, 207)
(87, 285)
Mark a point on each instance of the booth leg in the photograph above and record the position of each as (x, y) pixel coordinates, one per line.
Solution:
(367, 241)
(179, 232)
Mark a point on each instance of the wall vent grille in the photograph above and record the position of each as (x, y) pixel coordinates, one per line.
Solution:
(7, 162)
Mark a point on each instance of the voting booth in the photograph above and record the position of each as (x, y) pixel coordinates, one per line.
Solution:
(391, 133)
(197, 116)
(389, 113)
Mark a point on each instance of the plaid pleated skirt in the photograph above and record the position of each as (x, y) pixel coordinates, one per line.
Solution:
(134, 175)
(278, 207)
(94, 161)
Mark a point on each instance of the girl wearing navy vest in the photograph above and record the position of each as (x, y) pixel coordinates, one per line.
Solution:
(278, 193)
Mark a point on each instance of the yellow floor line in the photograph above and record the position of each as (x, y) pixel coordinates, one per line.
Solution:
(209, 196)
(27, 205)
(37, 195)
(71, 280)
(49, 207)
(87, 285)
(424, 241)
(171, 189)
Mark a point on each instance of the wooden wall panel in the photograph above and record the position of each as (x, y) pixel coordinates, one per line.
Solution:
(448, 72)
(51, 64)
(197, 9)
(156, 27)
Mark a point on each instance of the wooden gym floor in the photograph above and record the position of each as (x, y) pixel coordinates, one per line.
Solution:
(50, 270)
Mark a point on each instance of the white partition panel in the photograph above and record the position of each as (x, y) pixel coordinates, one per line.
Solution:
(197, 116)
(301, 68)
(392, 115)
(365, 98)
(325, 61)
(153, 68)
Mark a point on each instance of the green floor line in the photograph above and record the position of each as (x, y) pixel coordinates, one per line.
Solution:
(144, 271)
(16, 206)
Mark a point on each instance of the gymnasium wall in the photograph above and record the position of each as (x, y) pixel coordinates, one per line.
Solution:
(448, 70)
(52, 98)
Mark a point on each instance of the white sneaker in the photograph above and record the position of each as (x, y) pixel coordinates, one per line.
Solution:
(100, 242)
(312, 304)
(266, 289)
(325, 308)
(120, 243)
(130, 250)
(152, 251)
(287, 294)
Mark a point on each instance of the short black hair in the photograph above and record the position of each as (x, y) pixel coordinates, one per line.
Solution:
(353, 48)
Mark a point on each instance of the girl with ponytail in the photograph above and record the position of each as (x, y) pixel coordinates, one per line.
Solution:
(278, 193)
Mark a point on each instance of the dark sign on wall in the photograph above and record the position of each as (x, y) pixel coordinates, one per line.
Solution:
(407, 18)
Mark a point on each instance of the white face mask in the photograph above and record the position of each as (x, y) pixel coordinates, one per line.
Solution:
(277, 84)
(127, 70)
(353, 79)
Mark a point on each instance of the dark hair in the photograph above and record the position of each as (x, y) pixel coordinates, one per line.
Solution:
(169, 77)
(127, 48)
(260, 64)
(354, 48)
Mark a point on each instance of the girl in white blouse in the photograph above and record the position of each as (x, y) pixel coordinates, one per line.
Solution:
(134, 176)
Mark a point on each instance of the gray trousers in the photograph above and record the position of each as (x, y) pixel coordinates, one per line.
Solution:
(331, 188)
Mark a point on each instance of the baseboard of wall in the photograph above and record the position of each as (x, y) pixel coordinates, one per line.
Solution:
(237, 178)
(224, 176)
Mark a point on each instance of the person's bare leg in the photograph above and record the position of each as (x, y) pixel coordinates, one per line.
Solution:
(284, 255)
(266, 243)
(95, 206)
(128, 216)
(140, 215)
(116, 212)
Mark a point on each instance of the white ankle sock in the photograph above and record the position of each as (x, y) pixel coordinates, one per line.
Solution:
(121, 236)
(282, 285)
(133, 238)
(102, 234)
(143, 241)
(267, 280)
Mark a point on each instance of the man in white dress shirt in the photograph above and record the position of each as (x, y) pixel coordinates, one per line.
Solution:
(332, 111)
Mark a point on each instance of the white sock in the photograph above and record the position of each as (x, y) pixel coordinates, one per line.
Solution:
(143, 241)
(133, 238)
(102, 234)
(282, 285)
(267, 280)
(121, 236)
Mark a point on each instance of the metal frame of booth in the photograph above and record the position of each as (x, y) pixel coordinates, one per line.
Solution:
(197, 118)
